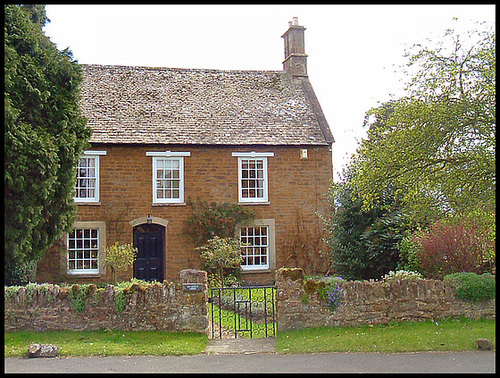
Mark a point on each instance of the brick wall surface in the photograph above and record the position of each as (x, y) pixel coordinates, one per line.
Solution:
(211, 174)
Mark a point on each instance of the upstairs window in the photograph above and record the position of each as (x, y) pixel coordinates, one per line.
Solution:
(252, 177)
(87, 177)
(168, 176)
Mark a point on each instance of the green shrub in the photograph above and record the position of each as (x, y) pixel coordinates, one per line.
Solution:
(120, 257)
(220, 255)
(473, 287)
(408, 253)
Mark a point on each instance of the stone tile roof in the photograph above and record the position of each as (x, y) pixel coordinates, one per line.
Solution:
(198, 106)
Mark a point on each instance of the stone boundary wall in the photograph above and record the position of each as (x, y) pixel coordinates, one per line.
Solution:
(370, 302)
(161, 306)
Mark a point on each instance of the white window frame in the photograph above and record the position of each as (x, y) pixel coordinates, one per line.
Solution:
(100, 228)
(271, 250)
(253, 156)
(177, 156)
(92, 155)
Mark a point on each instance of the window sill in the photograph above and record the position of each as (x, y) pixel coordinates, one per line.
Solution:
(264, 270)
(84, 275)
(254, 203)
(168, 204)
(88, 203)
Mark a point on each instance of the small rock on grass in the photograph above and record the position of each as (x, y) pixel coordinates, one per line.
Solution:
(484, 344)
(42, 350)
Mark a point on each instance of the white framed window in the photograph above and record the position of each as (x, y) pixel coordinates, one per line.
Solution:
(85, 246)
(87, 177)
(83, 251)
(253, 176)
(258, 252)
(168, 176)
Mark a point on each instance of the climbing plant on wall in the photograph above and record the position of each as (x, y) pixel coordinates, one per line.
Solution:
(212, 219)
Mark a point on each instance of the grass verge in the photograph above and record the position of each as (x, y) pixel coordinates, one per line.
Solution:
(444, 335)
(107, 343)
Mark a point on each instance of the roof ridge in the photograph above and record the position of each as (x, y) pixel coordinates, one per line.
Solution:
(179, 69)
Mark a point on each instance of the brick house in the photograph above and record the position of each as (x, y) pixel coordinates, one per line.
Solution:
(162, 136)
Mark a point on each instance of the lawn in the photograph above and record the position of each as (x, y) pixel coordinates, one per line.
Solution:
(444, 335)
(108, 343)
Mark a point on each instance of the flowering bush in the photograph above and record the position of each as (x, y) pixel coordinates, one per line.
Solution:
(402, 275)
(331, 292)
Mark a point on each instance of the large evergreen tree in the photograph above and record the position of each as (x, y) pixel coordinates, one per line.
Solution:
(363, 243)
(45, 135)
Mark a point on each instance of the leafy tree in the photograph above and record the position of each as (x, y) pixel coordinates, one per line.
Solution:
(437, 145)
(45, 135)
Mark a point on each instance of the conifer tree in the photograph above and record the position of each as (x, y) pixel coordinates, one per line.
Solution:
(45, 135)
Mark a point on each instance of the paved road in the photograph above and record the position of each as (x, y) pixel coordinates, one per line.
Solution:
(429, 362)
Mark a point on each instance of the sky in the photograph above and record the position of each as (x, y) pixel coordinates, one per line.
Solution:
(354, 51)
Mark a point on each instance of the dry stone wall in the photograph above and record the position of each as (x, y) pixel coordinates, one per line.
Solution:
(183, 306)
(161, 306)
(370, 302)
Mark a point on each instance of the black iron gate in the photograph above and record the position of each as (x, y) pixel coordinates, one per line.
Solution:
(243, 311)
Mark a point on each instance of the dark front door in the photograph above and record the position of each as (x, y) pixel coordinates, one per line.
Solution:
(149, 239)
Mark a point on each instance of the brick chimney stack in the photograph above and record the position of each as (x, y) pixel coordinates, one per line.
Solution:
(295, 61)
